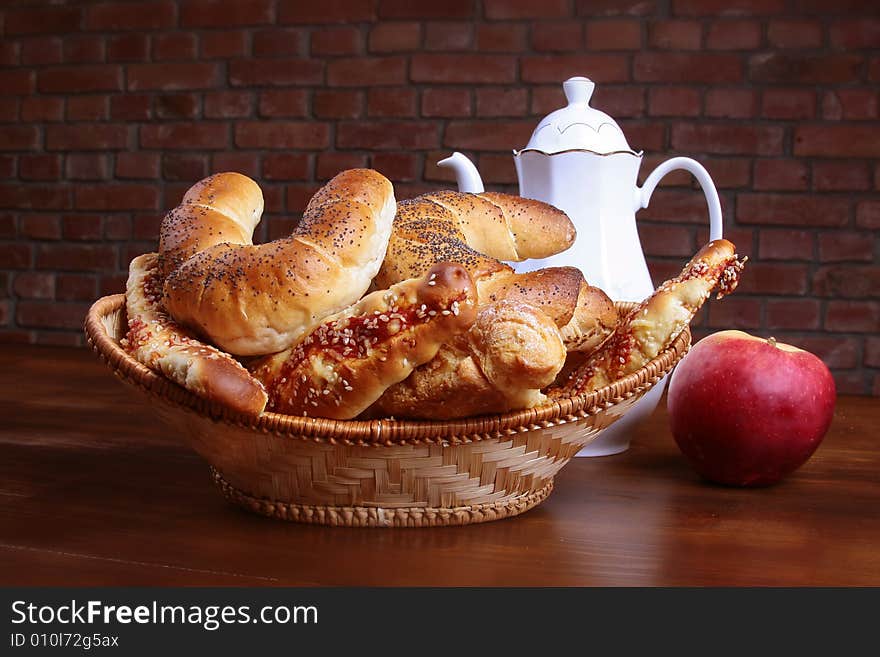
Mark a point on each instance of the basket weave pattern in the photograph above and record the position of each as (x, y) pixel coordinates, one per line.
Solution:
(379, 473)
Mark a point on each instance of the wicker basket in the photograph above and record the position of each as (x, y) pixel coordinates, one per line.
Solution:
(379, 473)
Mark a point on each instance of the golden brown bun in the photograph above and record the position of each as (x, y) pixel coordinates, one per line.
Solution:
(656, 322)
(158, 342)
(510, 353)
(346, 363)
(253, 300)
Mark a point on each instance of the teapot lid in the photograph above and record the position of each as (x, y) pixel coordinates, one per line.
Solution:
(578, 126)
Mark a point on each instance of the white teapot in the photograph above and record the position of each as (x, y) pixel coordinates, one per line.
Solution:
(579, 161)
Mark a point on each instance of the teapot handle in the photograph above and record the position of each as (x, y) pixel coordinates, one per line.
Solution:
(643, 194)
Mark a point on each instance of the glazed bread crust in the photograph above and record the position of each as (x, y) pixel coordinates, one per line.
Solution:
(259, 299)
(346, 363)
(161, 344)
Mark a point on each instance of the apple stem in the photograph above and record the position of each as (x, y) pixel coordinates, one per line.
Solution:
(771, 341)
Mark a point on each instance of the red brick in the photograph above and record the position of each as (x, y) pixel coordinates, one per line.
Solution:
(846, 247)
(836, 352)
(675, 205)
(130, 107)
(329, 163)
(794, 33)
(336, 41)
(558, 36)
(849, 383)
(674, 101)
(727, 138)
(620, 101)
(872, 351)
(279, 42)
(75, 287)
(521, 9)
(18, 82)
(137, 165)
(41, 226)
(41, 108)
(211, 136)
(644, 136)
(49, 314)
(42, 20)
(117, 227)
(394, 37)
(308, 135)
(507, 37)
(868, 214)
(807, 68)
(785, 245)
(228, 104)
(228, 43)
(15, 256)
(734, 35)
(275, 72)
(553, 68)
(387, 135)
(788, 103)
(173, 76)
(448, 36)
(225, 13)
(76, 257)
(392, 102)
(794, 314)
(792, 209)
(87, 108)
(735, 313)
(34, 285)
(183, 166)
(825, 140)
(328, 11)
(9, 109)
(665, 240)
(731, 103)
(675, 35)
(130, 16)
(131, 47)
(38, 166)
(177, 106)
(851, 104)
(284, 103)
(331, 104)
(726, 172)
(841, 176)
(494, 169)
(40, 51)
(82, 227)
(419, 10)
(615, 34)
(84, 49)
(774, 278)
(34, 197)
(19, 137)
(676, 67)
(174, 45)
(366, 71)
(447, 103)
(245, 163)
(113, 284)
(855, 33)
(8, 53)
(85, 137)
(491, 136)
(852, 316)
(463, 69)
(494, 101)
(727, 7)
(847, 282)
(146, 226)
(286, 166)
(124, 196)
(397, 167)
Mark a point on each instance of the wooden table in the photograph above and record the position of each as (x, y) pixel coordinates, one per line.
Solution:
(94, 492)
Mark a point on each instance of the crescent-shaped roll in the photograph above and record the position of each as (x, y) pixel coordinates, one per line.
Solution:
(259, 299)
(342, 366)
(158, 342)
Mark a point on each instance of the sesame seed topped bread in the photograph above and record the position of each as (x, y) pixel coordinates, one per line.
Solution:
(259, 299)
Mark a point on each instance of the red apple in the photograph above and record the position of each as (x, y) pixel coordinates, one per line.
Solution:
(746, 411)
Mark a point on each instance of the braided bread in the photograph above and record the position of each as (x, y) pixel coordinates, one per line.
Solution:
(258, 299)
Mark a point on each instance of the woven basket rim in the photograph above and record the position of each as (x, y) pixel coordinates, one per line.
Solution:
(378, 431)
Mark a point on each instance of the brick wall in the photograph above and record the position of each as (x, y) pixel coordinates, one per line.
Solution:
(111, 110)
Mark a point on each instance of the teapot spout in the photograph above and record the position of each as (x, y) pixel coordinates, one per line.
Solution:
(466, 175)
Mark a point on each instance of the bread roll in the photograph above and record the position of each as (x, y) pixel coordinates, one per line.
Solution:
(258, 299)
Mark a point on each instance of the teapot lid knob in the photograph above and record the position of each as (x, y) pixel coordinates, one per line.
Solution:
(578, 90)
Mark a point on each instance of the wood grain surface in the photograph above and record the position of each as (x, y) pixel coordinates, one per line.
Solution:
(94, 491)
